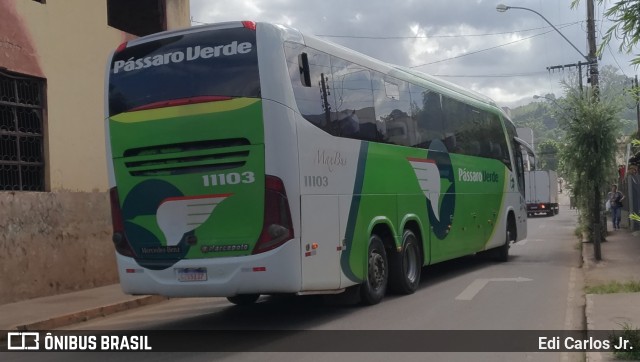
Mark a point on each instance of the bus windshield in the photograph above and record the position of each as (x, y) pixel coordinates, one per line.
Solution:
(220, 62)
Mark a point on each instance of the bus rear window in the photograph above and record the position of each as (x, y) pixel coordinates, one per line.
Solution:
(220, 62)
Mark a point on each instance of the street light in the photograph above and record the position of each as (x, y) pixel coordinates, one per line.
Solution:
(501, 8)
(593, 62)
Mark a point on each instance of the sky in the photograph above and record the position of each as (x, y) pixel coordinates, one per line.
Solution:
(502, 55)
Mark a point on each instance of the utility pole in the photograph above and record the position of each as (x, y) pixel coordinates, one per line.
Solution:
(635, 95)
(577, 65)
(599, 220)
(591, 37)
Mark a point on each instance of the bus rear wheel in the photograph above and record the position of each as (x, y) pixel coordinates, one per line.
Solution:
(405, 267)
(243, 299)
(375, 286)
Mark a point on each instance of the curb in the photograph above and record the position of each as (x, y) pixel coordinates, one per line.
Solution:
(85, 315)
(591, 356)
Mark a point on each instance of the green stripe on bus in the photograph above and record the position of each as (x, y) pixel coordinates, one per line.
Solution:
(187, 110)
(353, 213)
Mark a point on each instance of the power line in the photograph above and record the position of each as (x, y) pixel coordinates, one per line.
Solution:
(424, 36)
(440, 36)
(615, 60)
(490, 75)
(609, 48)
(484, 50)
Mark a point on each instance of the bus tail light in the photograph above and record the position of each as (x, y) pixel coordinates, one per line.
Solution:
(121, 47)
(119, 237)
(277, 225)
(251, 25)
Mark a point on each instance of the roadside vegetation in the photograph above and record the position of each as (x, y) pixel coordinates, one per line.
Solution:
(628, 332)
(614, 287)
(579, 137)
(631, 334)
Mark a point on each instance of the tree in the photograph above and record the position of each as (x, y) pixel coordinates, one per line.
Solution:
(626, 25)
(547, 151)
(588, 156)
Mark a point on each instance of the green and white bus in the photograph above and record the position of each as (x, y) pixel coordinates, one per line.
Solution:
(248, 159)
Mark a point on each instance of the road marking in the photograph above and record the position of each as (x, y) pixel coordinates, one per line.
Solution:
(520, 243)
(476, 286)
(525, 241)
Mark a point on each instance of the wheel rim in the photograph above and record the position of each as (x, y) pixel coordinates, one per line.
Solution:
(377, 270)
(410, 263)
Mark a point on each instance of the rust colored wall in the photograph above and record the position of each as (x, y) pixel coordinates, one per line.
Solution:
(53, 243)
(17, 51)
(60, 241)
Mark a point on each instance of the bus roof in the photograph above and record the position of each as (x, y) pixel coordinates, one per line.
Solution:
(294, 35)
(391, 69)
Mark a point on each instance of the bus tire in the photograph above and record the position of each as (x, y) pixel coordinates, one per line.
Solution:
(375, 286)
(405, 266)
(243, 299)
(502, 252)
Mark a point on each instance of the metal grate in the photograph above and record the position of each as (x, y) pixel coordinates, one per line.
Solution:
(21, 133)
(190, 157)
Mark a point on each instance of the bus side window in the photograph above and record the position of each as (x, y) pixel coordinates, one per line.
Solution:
(393, 109)
(354, 115)
(310, 75)
(426, 112)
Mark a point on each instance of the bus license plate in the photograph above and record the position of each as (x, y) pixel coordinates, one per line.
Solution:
(191, 274)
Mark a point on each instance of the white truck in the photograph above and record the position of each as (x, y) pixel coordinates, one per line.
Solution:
(541, 192)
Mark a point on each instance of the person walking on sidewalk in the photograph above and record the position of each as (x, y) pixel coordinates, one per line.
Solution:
(615, 198)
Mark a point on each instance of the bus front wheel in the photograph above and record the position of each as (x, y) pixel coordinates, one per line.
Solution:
(375, 286)
(502, 252)
(405, 267)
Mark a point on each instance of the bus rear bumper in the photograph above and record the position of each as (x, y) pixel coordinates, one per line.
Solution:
(275, 271)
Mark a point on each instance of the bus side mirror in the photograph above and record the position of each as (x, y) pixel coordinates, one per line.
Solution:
(305, 74)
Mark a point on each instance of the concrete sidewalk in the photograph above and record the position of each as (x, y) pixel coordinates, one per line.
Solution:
(66, 309)
(620, 263)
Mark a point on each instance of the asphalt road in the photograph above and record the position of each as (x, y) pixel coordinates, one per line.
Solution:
(540, 288)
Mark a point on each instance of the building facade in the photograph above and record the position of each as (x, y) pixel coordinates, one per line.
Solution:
(55, 226)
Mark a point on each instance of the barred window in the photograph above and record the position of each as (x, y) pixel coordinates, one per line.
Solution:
(21, 133)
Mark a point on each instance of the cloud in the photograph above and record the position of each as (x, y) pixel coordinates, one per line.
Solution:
(453, 35)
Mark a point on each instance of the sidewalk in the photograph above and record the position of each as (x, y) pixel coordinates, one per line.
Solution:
(66, 309)
(621, 263)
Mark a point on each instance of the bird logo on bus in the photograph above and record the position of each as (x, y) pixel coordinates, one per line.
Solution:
(433, 174)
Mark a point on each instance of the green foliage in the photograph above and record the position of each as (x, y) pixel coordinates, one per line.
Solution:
(614, 287)
(588, 156)
(626, 25)
(632, 335)
(548, 154)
